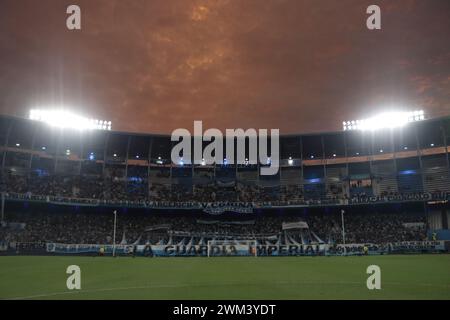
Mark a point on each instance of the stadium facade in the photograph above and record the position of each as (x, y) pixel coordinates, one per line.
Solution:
(413, 159)
(402, 169)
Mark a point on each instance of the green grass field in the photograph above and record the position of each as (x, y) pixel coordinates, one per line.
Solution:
(402, 277)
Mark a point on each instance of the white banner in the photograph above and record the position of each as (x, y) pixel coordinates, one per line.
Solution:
(294, 225)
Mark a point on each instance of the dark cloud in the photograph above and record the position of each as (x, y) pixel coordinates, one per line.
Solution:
(154, 66)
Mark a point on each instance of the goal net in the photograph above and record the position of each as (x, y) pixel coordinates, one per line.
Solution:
(217, 248)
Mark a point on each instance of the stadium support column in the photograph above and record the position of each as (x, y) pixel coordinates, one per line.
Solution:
(346, 191)
(395, 164)
(56, 155)
(192, 175)
(114, 233)
(170, 168)
(444, 134)
(372, 152)
(33, 142)
(6, 145)
(126, 159)
(343, 229)
(302, 188)
(81, 155)
(3, 208)
(149, 161)
(127, 155)
(419, 152)
(105, 147)
(324, 166)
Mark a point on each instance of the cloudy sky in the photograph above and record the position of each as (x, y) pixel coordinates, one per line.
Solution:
(157, 65)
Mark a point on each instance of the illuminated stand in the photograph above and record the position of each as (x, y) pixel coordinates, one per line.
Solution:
(220, 248)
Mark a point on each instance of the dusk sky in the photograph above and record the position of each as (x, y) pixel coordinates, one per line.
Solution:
(154, 66)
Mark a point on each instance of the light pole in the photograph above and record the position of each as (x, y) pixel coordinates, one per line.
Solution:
(114, 233)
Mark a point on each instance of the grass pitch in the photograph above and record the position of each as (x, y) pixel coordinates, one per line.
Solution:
(402, 277)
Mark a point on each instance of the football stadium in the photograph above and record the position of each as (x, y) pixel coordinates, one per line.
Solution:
(114, 204)
(224, 158)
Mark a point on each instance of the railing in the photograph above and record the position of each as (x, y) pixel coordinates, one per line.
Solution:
(217, 207)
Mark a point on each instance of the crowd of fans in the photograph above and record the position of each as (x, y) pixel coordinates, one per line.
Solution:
(97, 228)
(110, 187)
(113, 187)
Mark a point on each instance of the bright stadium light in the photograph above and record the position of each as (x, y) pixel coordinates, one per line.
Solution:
(290, 161)
(385, 120)
(65, 119)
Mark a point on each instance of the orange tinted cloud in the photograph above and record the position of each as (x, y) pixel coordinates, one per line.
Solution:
(153, 66)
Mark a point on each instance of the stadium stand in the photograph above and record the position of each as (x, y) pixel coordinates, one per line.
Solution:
(62, 185)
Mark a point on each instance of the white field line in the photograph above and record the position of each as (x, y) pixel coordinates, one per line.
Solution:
(216, 284)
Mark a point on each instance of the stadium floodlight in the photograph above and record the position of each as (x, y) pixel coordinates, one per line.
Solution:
(385, 120)
(65, 119)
